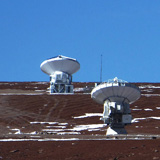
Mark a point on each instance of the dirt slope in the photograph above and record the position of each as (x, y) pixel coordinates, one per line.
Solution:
(28, 111)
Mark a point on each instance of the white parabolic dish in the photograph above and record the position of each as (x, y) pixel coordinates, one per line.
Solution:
(115, 92)
(60, 63)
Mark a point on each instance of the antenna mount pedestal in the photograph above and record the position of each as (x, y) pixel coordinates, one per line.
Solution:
(116, 115)
(60, 82)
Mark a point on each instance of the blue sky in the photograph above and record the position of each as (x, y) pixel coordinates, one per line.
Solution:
(125, 32)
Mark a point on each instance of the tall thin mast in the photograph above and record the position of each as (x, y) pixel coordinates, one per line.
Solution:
(101, 70)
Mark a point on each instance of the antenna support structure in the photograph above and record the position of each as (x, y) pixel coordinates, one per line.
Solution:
(116, 95)
(60, 70)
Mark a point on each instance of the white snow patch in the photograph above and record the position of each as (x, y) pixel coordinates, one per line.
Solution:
(149, 86)
(90, 130)
(55, 126)
(34, 132)
(148, 109)
(89, 115)
(149, 95)
(62, 124)
(135, 109)
(88, 127)
(18, 131)
(53, 130)
(78, 89)
(39, 90)
(67, 133)
(138, 126)
(157, 118)
(147, 90)
(43, 122)
(137, 119)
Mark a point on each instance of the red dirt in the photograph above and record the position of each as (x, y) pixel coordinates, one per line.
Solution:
(82, 150)
(25, 102)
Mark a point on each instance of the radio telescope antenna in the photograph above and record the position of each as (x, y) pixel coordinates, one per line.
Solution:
(60, 70)
(116, 95)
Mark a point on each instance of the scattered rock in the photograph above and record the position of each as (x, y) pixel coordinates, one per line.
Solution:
(14, 151)
(40, 150)
(134, 147)
(156, 150)
(155, 158)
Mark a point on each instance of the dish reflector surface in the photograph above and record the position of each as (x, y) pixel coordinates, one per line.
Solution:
(115, 92)
(60, 63)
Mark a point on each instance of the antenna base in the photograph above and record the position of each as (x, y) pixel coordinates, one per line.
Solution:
(114, 131)
(60, 82)
(61, 88)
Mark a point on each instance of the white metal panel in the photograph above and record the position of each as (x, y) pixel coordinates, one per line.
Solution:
(115, 93)
(60, 63)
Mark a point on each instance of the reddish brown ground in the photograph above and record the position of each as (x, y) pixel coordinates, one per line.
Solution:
(18, 108)
(82, 150)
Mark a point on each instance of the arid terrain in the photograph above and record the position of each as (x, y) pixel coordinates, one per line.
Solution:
(37, 125)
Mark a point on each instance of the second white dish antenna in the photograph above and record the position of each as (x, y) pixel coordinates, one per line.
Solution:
(60, 70)
(60, 63)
